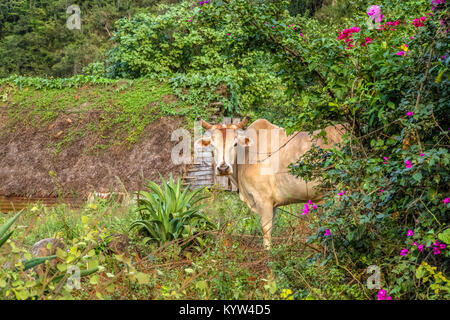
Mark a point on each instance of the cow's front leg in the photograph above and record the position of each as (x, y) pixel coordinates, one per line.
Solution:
(266, 219)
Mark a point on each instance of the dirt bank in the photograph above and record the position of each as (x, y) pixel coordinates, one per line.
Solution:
(29, 167)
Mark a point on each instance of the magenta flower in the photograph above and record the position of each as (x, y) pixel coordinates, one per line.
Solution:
(314, 207)
(446, 200)
(385, 160)
(327, 233)
(305, 209)
(382, 295)
(190, 20)
(401, 53)
(436, 250)
(422, 154)
(420, 247)
(404, 252)
(373, 10)
(367, 41)
(419, 22)
(410, 113)
(408, 164)
(442, 246)
(410, 233)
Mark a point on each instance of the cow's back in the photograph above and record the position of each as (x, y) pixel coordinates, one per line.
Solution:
(277, 185)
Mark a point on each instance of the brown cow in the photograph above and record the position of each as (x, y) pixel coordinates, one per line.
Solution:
(257, 161)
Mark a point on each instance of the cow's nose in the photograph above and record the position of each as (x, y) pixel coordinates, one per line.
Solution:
(223, 168)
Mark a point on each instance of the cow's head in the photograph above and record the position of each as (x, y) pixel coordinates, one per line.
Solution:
(224, 138)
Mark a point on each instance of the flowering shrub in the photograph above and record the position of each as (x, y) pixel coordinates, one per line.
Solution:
(393, 165)
(389, 84)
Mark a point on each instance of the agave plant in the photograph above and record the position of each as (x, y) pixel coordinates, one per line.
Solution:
(170, 212)
(4, 233)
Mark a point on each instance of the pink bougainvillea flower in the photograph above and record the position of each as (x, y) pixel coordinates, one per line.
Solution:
(366, 41)
(410, 233)
(404, 252)
(414, 243)
(446, 200)
(373, 10)
(385, 160)
(419, 22)
(305, 209)
(442, 246)
(436, 251)
(190, 20)
(401, 53)
(408, 164)
(420, 247)
(327, 233)
(314, 207)
(410, 113)
(422, 154)
(382, 295)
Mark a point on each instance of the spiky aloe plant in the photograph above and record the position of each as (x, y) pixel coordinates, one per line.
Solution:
(169, 212)
(4, 233)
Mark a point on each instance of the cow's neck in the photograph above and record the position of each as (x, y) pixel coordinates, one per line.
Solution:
(234, 176)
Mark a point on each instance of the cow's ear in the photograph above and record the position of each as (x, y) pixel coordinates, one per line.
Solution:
(203, 142)
(244, 141)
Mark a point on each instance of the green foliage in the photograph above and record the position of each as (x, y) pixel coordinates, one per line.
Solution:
(393, 165)
(112, 112)
(35, 41)
(4, 234)
(304, 6)
(170, 212)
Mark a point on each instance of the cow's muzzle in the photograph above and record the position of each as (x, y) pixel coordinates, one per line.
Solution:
(223, 170)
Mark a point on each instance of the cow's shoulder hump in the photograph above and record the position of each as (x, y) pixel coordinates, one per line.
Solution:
(263, 124)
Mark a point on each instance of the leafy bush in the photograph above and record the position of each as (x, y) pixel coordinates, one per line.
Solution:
(19, 281)
(171, 212)
(387, 199)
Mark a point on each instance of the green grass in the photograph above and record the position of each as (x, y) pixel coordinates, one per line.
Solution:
(115, 113)
(231, 264)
